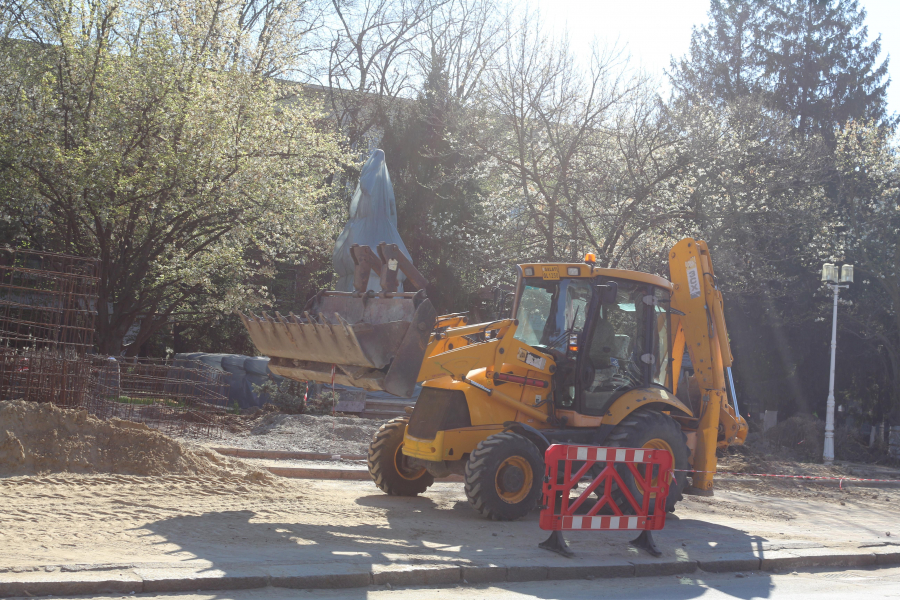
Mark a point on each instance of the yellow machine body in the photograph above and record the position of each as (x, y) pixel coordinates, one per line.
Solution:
(455, 363)
(482, 379)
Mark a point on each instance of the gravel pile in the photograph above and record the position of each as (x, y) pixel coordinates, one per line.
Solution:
(305, 433)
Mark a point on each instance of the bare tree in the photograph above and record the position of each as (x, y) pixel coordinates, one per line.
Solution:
(369, 63)
(578, 152)
(465, 37)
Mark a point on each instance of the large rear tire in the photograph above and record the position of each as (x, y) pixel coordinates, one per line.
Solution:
(388, 465)
(652, 429)
(503, 477)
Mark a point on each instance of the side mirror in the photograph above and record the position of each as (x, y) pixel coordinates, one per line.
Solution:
(608, 291)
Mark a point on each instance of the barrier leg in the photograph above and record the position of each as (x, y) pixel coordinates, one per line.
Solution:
(557, 543)
(645, 542)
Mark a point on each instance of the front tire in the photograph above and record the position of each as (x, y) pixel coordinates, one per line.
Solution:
(503, 477)
(653, 430)
(387, 463)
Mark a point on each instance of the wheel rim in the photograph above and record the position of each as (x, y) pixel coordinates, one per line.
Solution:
(401, 467)
(513, 480)
(654, 444)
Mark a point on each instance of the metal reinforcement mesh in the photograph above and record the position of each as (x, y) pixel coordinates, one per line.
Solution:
(47, 302)
(184, 397)
(47, 312)
(44, 376)
(47, 315)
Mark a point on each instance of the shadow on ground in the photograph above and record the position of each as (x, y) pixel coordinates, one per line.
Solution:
(420, 531)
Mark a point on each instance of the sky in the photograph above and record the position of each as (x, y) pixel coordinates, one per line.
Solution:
(652, 31)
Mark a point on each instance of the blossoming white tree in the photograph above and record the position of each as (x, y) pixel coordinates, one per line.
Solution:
(159, 137)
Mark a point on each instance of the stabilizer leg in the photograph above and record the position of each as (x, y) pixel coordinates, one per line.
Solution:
(557, 543)
(645, 542)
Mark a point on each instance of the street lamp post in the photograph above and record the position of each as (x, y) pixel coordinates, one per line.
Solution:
(830, 277)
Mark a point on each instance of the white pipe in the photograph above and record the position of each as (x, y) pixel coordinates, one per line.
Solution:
(737, 411)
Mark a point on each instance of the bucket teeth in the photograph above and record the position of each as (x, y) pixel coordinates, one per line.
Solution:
(373, 342)
(343, 323)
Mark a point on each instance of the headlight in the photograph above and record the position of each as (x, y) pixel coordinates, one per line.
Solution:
(529, 272)
(573, 271)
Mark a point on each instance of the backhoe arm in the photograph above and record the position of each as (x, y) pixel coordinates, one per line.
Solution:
(706, 337)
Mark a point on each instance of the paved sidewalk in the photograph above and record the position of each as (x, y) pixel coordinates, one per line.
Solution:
(79, 535)
(819, 583)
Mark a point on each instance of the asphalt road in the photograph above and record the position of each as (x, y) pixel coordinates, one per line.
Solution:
(867, 584)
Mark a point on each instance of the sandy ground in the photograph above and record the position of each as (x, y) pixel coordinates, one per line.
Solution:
(225, 512)
(71, 519)
(342, 464)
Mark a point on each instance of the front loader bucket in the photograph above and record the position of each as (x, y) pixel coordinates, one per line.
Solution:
(368, 340)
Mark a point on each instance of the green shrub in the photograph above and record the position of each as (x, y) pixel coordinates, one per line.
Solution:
(287, 396)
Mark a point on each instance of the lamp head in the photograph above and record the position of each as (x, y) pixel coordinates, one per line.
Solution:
(847, 274)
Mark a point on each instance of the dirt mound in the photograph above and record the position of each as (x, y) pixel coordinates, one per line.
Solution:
(802, 434)
(43, 438)
(801, 438)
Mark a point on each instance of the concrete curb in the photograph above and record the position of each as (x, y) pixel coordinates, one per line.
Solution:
(160, 579)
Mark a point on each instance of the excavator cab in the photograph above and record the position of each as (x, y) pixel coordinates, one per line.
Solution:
(607, 335)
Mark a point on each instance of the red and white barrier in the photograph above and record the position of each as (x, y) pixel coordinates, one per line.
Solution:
(651, 470)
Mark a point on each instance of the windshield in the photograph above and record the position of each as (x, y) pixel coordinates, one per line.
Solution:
(551, 312)
(624, 345)
(629, 344)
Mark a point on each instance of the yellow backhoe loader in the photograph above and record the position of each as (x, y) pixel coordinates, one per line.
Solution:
(589, 356)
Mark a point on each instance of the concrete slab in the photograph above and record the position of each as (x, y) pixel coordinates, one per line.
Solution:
(729, 562)
(663, 566)
(592, 570)
(534, 572)
(887, 556)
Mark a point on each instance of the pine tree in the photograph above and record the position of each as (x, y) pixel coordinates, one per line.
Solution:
(438, 195)
(807, 59)
(819, 66)
(724, 60)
